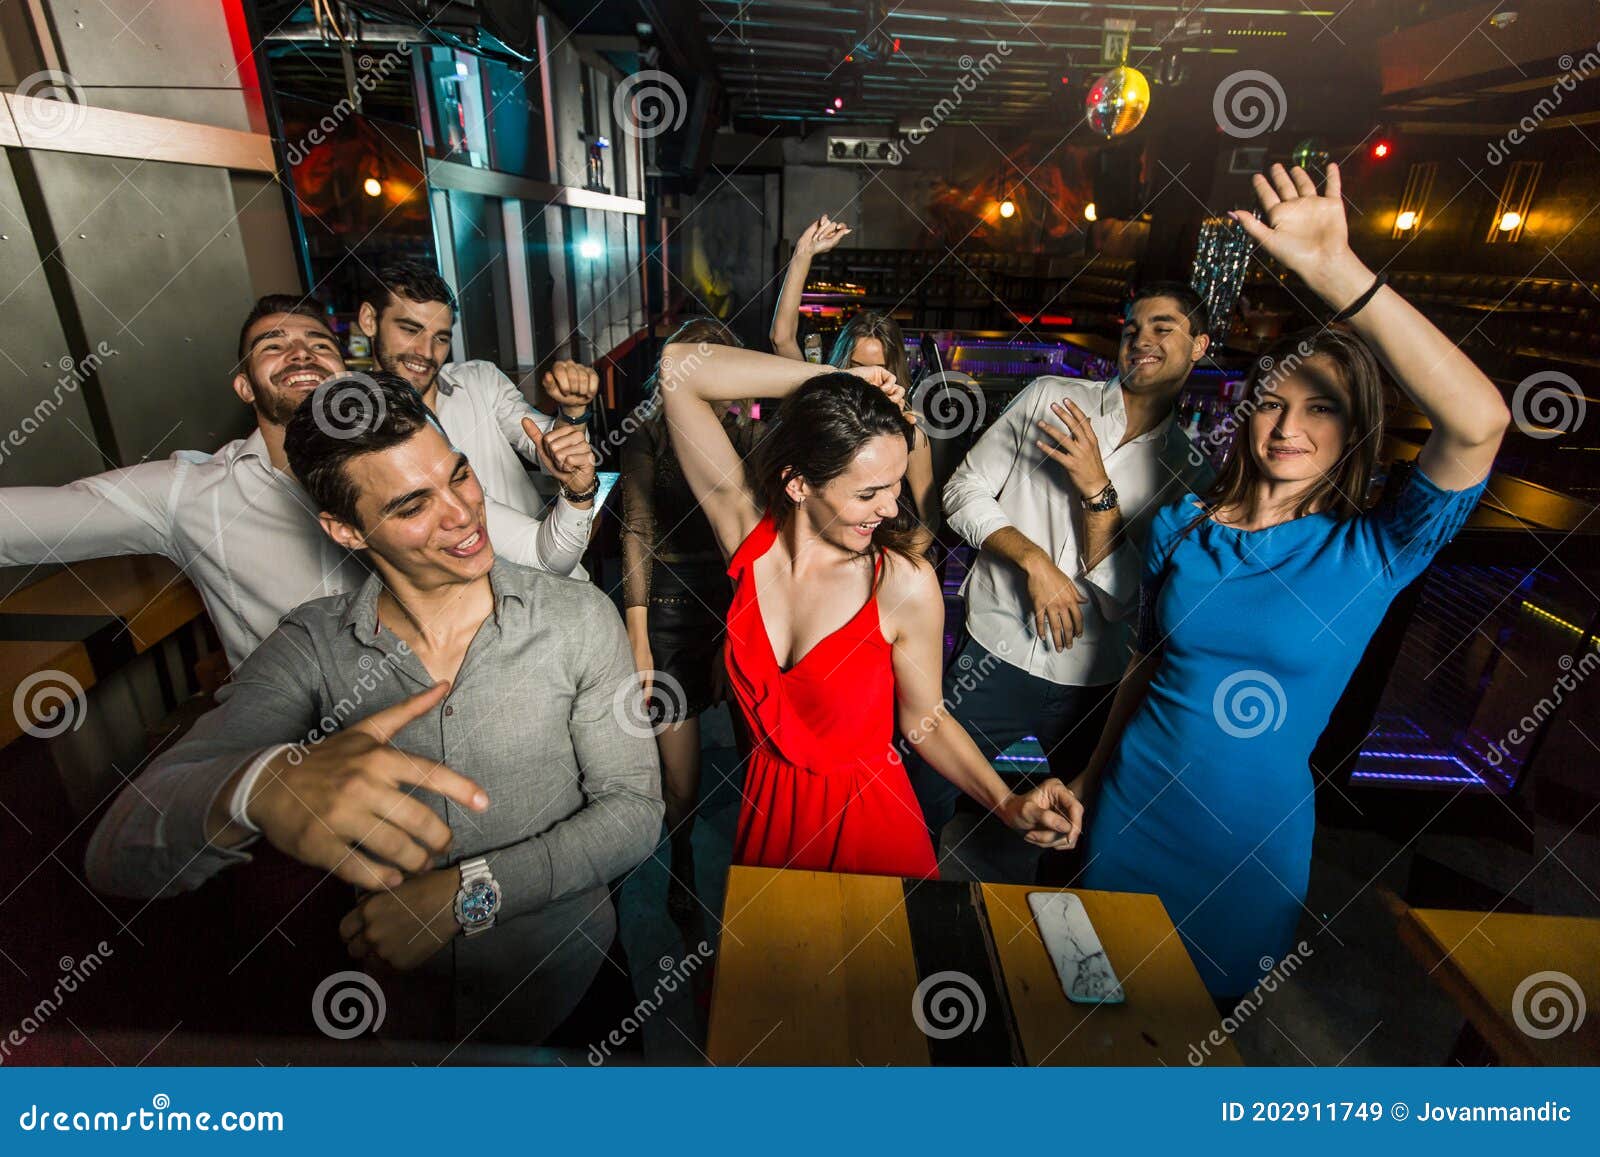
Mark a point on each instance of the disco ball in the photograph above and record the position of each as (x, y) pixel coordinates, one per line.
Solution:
(1117, 102)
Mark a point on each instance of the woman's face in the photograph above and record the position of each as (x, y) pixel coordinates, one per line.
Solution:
(1301, 426)
(868, 351)
(848, 509)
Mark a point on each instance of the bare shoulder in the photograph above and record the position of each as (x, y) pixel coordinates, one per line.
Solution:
(908, 593)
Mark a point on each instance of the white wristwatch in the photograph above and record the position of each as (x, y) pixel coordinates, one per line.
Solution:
(478, 900)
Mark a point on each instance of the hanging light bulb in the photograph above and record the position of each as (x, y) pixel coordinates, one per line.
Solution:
(372, 187)
(1008, 208)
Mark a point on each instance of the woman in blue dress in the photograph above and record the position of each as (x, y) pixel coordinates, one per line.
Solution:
(1260, 596)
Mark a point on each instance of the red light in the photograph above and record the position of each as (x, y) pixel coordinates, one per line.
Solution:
(849, 58)
(896, 44)
(1380, 150)
(1066, 80)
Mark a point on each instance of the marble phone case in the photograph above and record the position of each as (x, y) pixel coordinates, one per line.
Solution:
(1074, 948)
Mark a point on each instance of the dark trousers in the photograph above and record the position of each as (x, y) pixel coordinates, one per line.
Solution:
(999, 704)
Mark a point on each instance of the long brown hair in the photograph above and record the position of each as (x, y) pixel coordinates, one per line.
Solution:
(1343, 491)
(819, 430)
(886, 330)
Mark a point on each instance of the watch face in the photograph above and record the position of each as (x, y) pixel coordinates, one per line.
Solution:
(480, 902)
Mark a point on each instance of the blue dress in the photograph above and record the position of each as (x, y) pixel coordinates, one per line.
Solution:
(1207, 801)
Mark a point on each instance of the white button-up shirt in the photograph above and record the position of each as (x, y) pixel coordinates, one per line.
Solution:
(482, 411)
(1006, 480)
(243, 532)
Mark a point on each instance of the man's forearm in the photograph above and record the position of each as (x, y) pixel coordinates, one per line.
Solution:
(1016, 548)
(1101, 531)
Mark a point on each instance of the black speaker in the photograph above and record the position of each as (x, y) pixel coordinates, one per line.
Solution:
(1118, 184)
(686, 151)
(513, 23)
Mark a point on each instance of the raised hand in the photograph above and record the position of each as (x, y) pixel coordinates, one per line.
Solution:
(1303, 229)
(572, 386)
(1049, 815)
(1076, 447)
(565, 454)
(820, 236)
(885, 381)
(323, 803)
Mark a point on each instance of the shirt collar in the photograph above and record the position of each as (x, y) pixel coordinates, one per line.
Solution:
(361, 616)
(443, 383)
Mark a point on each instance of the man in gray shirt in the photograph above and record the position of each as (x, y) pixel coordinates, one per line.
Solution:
(460, 736)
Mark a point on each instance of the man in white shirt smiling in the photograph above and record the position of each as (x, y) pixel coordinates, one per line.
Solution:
(1057, 496)
(235, 521)
(409, 315)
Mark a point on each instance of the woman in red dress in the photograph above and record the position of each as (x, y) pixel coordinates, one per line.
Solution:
(837, 621)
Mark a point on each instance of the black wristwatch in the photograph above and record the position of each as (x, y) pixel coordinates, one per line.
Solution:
(1102, 502)
(581, 420)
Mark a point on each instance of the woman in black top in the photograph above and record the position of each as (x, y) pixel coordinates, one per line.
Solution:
(675, 594)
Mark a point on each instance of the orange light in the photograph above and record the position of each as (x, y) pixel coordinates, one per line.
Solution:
(1405, 220)
(1510, 220)
(1090, 213)
(1008, 208)
(372, 187)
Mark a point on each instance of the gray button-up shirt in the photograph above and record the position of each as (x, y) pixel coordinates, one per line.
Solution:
(537, 715)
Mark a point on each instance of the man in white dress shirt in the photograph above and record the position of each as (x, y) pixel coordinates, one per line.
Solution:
(1057, 496)
(409, 316)
(235, 521)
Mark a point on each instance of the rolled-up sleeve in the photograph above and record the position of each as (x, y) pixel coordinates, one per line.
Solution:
(554, 542)
(972, 496)
(121, 512)
(620, 777)
(152, 841)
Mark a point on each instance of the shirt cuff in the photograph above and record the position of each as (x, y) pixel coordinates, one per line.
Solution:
(238, 812)
(976, 529)
(1114, 582)
(524, 874)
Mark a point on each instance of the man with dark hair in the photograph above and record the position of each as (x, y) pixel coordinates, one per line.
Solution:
(409, 316)
(348, 737)
(1057, 496)
(234, 520)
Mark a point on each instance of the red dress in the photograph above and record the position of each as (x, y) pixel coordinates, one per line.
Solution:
(824, 789)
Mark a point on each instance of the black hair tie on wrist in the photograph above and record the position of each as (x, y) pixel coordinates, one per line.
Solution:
(1360, 303)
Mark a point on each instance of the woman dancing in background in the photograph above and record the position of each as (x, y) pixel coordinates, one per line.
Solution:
(1283, 542)
(867, 339)
(836, 624)
(675, 595)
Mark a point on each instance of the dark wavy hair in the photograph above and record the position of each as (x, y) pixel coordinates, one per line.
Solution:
(1342, 491)
(347, 416)
(413, 280)
(819, 430)
(280, 303)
